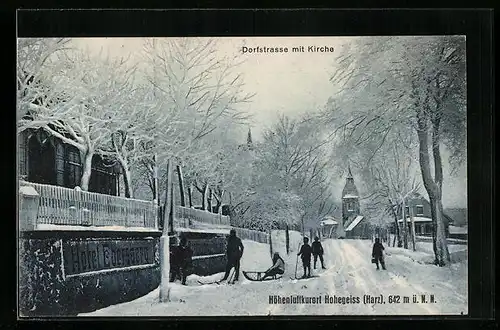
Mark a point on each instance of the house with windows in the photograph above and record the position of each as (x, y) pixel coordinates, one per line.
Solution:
(420, 208)
(45, 159)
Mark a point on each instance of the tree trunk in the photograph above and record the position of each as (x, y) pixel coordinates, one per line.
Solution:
(218, 200)
(398, 236)
(287, 239)
(412, 229)
(168, 214)
(209, 200)
(303, 228)
(204, 197)
(270, 244)
(181, 185)
(87, 170)
(442, 254)
(433, 187)
(405, 224)
(156, 192)
(190, 195)
(127, 180)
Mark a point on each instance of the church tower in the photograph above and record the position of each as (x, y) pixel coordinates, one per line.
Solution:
(249, 139)
(350, 200)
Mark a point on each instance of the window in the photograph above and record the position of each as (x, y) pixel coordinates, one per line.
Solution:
(41, 155)
(73, 167)
(420, 210)
(407, 211)
(350, 206)
(102, 179)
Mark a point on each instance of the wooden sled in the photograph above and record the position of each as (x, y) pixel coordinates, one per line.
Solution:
(257, 276)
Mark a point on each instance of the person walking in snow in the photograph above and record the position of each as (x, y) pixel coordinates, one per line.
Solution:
(305, 255)
(185, 259)
(234, 252)
(317, 251)
(377, 253)
(278, 267)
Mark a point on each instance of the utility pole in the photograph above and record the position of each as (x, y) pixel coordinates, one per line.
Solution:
(168, 216)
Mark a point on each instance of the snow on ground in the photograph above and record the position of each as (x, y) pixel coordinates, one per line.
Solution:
(349, 273)
(427, 247)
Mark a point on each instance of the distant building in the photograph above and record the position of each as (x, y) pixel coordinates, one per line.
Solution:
(420, 207)
(458, 227)
(329, 227)
(354, 223)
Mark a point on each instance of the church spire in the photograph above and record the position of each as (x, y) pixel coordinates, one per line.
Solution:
(349, 174)
(249, 137)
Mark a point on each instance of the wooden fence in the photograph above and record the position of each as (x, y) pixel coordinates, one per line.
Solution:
(64, 206)
(186, 214)
(253, 235)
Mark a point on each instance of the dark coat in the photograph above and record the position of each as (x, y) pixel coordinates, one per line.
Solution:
(317, 248)
(185, 255)
(234, 248)
(174, 256)
(305, 252)
(377, 250)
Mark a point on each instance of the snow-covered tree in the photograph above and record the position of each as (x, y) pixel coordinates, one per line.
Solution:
(37, 61)
(203, 91)
(295, 153)
(82, 100)
(406, 84)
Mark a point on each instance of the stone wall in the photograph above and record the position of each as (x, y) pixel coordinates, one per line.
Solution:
(48, 286)
(208, 251)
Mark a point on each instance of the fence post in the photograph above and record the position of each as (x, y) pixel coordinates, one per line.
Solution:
(28, 208)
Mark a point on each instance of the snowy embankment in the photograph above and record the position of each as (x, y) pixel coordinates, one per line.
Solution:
(424, 253)
(349, 275)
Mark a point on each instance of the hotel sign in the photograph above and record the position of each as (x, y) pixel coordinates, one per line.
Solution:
(97, 255)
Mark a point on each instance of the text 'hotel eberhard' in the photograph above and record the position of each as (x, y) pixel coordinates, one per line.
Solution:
(298, 49)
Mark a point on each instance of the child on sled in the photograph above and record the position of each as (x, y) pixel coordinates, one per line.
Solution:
(278, 267)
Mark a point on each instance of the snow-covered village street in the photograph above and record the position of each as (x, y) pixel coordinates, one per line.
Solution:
(202, 176)
(349, 273)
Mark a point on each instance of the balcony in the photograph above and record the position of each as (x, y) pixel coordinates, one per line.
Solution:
(64, 208)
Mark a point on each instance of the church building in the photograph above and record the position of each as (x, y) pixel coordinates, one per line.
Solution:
(354, 223)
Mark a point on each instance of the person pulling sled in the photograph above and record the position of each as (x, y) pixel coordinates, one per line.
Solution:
(305, 254)
(234, 252)
(278, 267)
(377, 254)
(317, 251)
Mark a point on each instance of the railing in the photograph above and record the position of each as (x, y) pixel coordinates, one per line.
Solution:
(253, 235)
(64, 206)
(185, 215)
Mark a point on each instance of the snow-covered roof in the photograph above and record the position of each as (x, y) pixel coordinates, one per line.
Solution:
(457, 230)
(417, 219)
(350, 196)
(354, 223)
(329, 222)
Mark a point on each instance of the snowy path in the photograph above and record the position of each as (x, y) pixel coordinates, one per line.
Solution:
(349, 273)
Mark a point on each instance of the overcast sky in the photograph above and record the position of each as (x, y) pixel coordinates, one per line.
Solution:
(283, 82)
